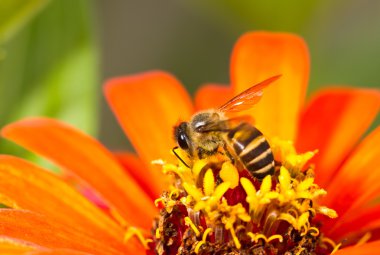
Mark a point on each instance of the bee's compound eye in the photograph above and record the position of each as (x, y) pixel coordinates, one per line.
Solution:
(182, 141)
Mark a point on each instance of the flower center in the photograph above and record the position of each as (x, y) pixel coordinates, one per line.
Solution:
(214, 208)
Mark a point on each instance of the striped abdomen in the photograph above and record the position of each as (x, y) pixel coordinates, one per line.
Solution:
(252, 149)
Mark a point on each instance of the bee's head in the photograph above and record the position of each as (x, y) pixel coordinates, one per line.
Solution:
(182, 137)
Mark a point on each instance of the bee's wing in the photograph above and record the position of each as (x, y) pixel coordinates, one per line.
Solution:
(247, 98)
(224, 125)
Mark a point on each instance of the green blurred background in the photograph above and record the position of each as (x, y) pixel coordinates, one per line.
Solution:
(55, 54)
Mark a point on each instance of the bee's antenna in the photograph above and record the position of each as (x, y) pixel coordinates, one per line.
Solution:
(175, 153)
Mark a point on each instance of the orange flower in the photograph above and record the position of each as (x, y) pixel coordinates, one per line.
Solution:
(48, 216)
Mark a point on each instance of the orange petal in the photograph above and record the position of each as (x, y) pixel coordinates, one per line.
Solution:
(365, 249)
(37, 190)
(147, 106)
(40, 230)
(14, 246)
(211, 96)
(136, 168)
(11, 246)
(260, 55)
(356, 184)
(357, 222)
(58, 252)
(88, 159)
(333, 123)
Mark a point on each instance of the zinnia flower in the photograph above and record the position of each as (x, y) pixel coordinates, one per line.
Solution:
(322, 198)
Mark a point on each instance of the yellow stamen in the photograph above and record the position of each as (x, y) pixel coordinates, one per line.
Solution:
(229, 173)
(158, 201)
(198, 166)
(209, 183)
(327, 211)
(300, 251)
(198, 246)
(293, 212)
(116, 215)
(336, 248)
(204, 237)
(303, 220)
(364, 239)
(205, 234)
(274, 237)
(257, 237)
(190, 223)
(171, 168)
(193, 191)
(313, 231)
(132, 231)
(266, 185)
(174, 194)
(158, 233)
(221, 189)
(331, 243)
(284, 179)
(234, 238)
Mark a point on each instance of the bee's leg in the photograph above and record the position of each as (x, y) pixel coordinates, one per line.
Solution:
(202, 153)
(229, 155)
(176, 154)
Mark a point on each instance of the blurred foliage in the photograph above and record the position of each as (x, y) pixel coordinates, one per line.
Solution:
(50, 63)
(14, 14)
(245, 15)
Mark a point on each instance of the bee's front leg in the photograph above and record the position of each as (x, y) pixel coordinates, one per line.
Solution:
(203, 153)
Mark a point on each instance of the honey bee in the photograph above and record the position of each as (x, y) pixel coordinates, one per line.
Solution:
(209, 131)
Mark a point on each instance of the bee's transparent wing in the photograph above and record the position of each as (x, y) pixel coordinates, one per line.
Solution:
(228, 123)
(247, 98)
